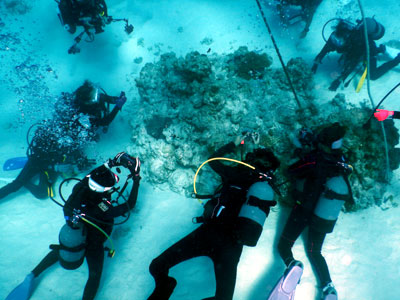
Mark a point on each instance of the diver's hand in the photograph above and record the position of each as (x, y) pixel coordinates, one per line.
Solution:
(314, 67)
(383, 114)
(120, 101)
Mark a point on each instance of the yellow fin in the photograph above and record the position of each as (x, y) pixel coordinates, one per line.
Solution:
(361, 82)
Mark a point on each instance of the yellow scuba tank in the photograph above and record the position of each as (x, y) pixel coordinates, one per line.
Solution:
(72, 246)
(252, 215)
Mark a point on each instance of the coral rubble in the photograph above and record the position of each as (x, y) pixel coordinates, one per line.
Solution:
(194, 104)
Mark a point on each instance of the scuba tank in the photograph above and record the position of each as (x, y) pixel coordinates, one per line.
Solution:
(253, 213)
(72, 246)
(332, 199)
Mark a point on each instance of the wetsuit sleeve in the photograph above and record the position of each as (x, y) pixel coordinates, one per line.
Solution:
(221, 169)
(122, 209)
(329, 47)
(108, 99)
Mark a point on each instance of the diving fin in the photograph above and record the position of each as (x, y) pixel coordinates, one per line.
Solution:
(330, 297)
(286, 285)
(24, 290)
(362, 79)
(15, 163)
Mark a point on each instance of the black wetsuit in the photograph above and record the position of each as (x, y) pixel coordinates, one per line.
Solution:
(215, 238)
(73, 13)
(350, 43)
(43, 153)
(314, 168)
(87, 202)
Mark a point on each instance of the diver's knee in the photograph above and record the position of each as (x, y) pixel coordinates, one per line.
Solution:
(157, 267)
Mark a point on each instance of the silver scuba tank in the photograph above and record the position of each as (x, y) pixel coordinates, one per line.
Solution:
(72, 246)
(251, 217)
(332, 199)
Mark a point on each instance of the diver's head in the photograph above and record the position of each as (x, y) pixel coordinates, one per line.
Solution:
(88, 94)
(262, 159)
(102, 179)
(331, 137)
(375, 29)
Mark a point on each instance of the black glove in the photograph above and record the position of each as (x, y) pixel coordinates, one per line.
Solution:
(314, 67)
(120, 101)
(334, 85)
(127, 161)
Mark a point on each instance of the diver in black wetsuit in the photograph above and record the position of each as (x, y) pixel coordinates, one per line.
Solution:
(322, 187)
(349, 41)
(91, 200)
(93, 101)
(217, 237)
(57, 145)
(86, 13)
(308, 9)
(92, 15)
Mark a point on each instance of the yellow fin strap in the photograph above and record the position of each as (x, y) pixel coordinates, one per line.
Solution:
(50, 192)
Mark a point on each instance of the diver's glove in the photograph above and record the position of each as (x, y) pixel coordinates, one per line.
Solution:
(383, 114)
(127, 161)
(120, 101)
(315, 65)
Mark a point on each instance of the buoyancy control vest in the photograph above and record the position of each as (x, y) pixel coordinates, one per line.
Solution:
(253, 213)
(224, 206)
(72, 246)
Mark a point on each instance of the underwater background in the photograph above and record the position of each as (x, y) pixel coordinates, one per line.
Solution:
(196, 74)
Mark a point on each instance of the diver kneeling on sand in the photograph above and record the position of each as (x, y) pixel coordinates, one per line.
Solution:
(89, 213)
(348, 40)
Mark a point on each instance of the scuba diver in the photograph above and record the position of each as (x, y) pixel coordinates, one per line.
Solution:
(232, 218)
(348, 40)
(290, 14)
(91, 100)
(89, 213)
(321, 187)
(58, 144)
(92, 15)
